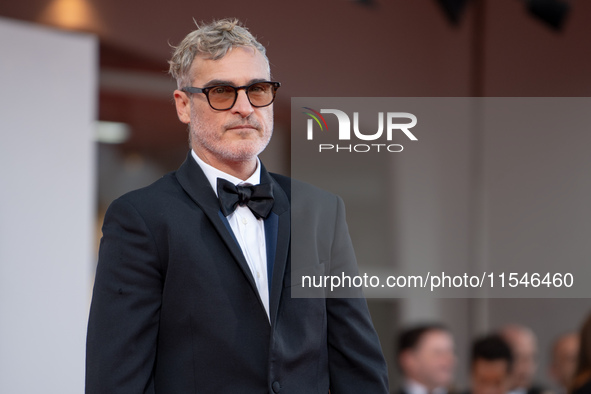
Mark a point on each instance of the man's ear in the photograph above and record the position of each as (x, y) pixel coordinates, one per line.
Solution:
(183, 106)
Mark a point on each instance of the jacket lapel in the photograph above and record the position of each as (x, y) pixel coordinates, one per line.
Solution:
(277, 226)
(281, 218)
(193, 181)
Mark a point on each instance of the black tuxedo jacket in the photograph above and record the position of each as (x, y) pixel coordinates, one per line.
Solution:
(175, 308)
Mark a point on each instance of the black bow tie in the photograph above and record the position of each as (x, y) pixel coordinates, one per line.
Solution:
(258, 198)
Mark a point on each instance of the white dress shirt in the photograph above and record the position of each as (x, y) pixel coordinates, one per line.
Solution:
(414, 387)
(248, 230)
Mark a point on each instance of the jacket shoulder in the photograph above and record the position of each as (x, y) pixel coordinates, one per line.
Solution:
(303, 191)
(158, 192)
(164, 184)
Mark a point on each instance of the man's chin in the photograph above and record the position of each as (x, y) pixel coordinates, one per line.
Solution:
(246, 149)
(242, 154)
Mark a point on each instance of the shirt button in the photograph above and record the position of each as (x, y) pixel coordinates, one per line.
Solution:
(244, 221)
(276, 387)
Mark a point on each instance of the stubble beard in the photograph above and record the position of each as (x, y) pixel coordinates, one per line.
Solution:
(237, 150)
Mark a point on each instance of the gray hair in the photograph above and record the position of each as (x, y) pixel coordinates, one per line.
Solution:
(211, 41)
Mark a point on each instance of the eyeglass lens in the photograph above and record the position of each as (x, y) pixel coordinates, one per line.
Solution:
(259, 94)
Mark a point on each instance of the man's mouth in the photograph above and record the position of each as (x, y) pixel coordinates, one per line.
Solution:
(242, 127)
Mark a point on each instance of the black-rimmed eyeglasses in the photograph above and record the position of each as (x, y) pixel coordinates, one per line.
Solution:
(223, 97)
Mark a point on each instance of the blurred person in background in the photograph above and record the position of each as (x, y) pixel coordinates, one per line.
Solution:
(582, 379)
(491, 364)
(563, 364)
(523, 343)
(426, 357)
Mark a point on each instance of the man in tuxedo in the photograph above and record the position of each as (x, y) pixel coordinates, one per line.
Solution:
(427, 359)
(193, 285)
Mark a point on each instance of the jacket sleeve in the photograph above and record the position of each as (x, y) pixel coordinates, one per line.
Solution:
(356, 361)
(124, 314)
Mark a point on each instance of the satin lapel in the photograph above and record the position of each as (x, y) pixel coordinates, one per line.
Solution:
(271, 244)
(194, 182)
(282, 210)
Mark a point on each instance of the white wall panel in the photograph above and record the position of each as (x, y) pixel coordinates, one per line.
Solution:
(47, 108)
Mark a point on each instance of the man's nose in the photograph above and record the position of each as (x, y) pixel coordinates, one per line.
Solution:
(242, 106)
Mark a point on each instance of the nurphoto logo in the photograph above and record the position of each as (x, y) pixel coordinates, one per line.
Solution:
(393, 128)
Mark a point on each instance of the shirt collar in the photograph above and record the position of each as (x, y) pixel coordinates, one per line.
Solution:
(212, 174)
(414, 387)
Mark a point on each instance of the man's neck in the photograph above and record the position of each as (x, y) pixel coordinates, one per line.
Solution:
(240, 169)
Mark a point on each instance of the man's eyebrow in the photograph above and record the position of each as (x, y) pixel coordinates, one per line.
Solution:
(217, 82)
(257, 80)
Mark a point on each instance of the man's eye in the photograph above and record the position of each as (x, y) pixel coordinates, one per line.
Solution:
(259, 88)
(219, 90)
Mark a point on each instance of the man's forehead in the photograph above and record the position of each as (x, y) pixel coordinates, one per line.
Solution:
(434, 337)
(238, 65)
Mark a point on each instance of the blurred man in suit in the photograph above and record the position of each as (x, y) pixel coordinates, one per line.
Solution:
(563, 363)
(426, 358)
(523, 344)
(491, 364)
(193, 285)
